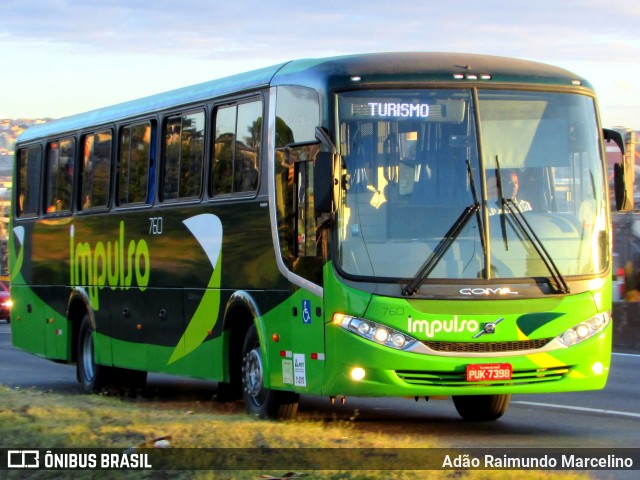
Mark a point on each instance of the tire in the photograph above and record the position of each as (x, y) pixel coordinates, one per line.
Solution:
(92, 377)
(258, 400)
(481, 408)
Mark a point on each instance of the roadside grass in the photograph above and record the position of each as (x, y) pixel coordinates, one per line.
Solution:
(31, 418)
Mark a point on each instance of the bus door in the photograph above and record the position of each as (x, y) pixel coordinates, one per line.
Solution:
(307, 262)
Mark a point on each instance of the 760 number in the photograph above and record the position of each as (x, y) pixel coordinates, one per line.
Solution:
(155, 226)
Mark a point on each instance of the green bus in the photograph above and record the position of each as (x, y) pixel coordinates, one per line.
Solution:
(403, 224)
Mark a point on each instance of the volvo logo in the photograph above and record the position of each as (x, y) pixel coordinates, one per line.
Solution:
(488, 328)
(488, 291)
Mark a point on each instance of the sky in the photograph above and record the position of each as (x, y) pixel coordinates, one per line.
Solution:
(60, 57)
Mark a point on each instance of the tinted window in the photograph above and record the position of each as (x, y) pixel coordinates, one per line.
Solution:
(96, 170)
(134, 164)
(28, 195)
(183, 156)
(298, 115)
(237, 148)
(59, 176)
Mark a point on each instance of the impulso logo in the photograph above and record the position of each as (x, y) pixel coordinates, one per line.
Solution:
(431, 327)
(114, 263)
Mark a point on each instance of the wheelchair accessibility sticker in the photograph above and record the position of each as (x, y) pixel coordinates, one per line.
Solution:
(306, 312)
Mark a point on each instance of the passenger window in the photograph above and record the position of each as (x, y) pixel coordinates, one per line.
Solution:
(59, 176)
(96, 170)
(28, 195)
(134, 165)
(183, 156)
(237, 148)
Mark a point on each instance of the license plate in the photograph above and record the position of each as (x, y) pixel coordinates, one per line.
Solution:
(489, 372)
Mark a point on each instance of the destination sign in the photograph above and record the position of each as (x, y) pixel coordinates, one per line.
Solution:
(396, 110)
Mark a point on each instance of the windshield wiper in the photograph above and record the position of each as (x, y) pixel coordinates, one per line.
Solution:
(508, 204)
(454, 232)
(440, 250)
(561, 285)
(472, 184)
(503, 201)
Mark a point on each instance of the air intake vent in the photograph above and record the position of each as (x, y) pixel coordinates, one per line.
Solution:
(487, 347)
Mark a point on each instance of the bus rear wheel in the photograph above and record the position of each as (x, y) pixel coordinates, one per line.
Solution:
(92, 377)
(481, 408)
(259, 400)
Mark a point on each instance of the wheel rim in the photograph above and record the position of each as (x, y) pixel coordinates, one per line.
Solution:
(87, 357)
(253, 375)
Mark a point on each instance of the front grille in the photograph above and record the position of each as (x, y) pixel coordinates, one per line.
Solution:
(459, 379)
(487, 347)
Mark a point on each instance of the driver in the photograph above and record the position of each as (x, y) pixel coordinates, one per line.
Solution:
(510, 186)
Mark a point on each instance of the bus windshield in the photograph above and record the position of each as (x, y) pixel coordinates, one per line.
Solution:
(455, 176)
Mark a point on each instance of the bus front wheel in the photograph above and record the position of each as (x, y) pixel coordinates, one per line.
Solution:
(92, 377)
(481, 408)
(259, 400)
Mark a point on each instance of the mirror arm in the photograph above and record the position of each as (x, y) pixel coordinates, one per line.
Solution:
(614, 136)
(323, 137)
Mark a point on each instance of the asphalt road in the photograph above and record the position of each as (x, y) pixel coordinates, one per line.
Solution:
(609, 418)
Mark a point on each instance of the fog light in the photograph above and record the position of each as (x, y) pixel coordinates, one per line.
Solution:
(597, 368)
(357, 374)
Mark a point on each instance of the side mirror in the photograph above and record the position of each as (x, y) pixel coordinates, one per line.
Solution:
(623, 189)
(324, 183)
(622, 173)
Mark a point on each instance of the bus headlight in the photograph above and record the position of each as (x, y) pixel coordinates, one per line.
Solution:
(375, 332)
(584, 330)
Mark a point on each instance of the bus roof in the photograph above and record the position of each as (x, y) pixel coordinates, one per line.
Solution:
(153, 103)
(322, 73)
(421, 67)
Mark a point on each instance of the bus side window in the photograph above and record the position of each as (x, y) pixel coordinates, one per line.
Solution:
(59, 176)
(248, 136)
(96, 170)
(134, 164)
(28, 192)
(236, 151)
(183, 156)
